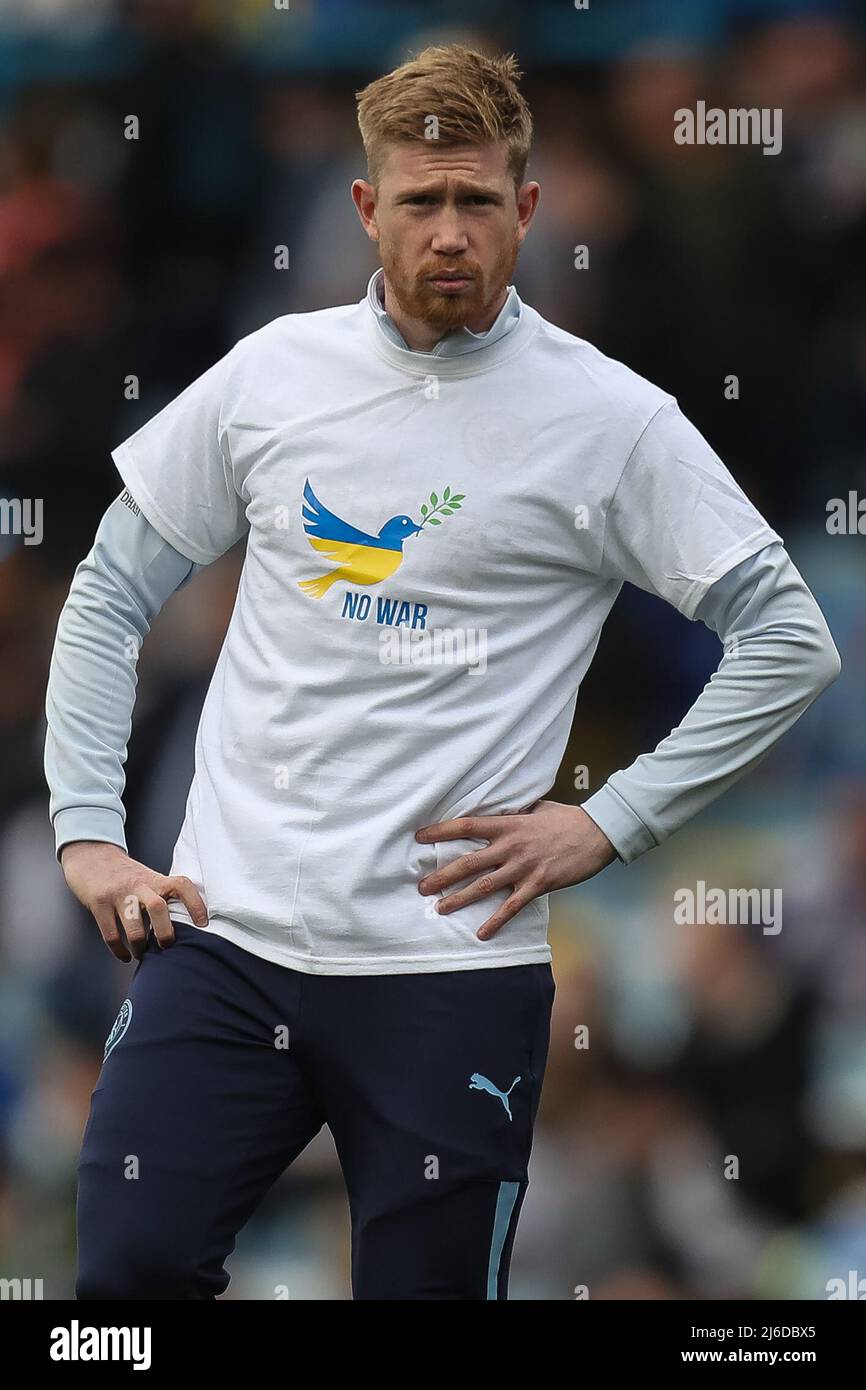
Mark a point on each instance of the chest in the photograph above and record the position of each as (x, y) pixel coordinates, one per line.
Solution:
(435, 490)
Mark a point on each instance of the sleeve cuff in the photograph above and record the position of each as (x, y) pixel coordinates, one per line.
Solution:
(742, 550)
(622, 826)
(88, 823)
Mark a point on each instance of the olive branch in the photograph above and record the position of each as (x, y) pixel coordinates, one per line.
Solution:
(451, 502)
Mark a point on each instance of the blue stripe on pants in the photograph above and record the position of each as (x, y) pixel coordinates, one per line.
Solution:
(504, 1207)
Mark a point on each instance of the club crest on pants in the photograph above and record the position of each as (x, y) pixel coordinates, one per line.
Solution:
(119, 1027)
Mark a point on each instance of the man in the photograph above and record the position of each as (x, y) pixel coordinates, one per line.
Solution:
(442, 494)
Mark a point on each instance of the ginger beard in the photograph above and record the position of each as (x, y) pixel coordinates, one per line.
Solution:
(419, 299)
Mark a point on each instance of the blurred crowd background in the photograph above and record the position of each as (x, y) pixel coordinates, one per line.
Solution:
(149, 258)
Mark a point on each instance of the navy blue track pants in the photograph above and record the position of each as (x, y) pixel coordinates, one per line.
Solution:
(222, 1067)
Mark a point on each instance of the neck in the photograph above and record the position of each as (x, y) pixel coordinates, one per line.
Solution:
(421, 336)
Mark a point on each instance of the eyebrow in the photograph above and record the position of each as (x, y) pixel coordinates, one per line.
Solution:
(462, 190)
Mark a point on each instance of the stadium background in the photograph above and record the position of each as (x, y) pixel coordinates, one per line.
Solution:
(150, 258)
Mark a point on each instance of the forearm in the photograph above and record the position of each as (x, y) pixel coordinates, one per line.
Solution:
(117, 591)
(779, 656)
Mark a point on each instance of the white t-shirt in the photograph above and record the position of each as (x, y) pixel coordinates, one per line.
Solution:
(377, 677)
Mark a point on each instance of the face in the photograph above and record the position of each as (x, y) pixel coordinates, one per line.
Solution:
(449, 223)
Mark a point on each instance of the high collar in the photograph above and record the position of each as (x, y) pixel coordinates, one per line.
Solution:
(457, 341)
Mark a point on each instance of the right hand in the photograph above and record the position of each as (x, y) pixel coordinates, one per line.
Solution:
(115, 888)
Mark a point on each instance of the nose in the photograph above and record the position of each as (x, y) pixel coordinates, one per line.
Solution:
(449, 238)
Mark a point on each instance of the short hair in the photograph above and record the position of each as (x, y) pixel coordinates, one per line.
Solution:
(475, 99)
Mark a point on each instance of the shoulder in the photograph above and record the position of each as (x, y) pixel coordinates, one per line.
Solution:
(285, 365)
(298, 332)
(597, 384)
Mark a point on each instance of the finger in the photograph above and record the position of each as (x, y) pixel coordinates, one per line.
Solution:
(464, 828)
(157, 910)
(473, 863)
(183, 888)
(474, 892)
(510, 908)
(128, 909)
(110, 932)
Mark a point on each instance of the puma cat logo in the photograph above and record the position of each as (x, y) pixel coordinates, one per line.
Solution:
(477, 1082)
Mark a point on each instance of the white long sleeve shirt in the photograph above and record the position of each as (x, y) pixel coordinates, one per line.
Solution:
(433, 543)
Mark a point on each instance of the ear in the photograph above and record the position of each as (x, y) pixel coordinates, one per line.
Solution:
(527, 202)
(364, 198)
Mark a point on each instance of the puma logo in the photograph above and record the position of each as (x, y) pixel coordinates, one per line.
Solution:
(477, 1082)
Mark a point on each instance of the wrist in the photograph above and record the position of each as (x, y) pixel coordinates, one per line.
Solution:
(74, 849)
(598, 843)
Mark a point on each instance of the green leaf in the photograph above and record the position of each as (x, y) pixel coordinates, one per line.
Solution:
(455, 506)
(446, 511)
(458, 497)
(434, 521)
(433, 498)
(423, 511)
(446, 494)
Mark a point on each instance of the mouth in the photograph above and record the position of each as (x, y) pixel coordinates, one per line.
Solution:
(450, 282)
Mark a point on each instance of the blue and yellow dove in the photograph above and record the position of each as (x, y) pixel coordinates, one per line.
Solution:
(360, 558)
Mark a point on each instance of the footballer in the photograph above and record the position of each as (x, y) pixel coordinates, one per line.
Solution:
(353, 929)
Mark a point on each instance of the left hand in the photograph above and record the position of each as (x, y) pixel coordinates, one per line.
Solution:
(550, 846)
